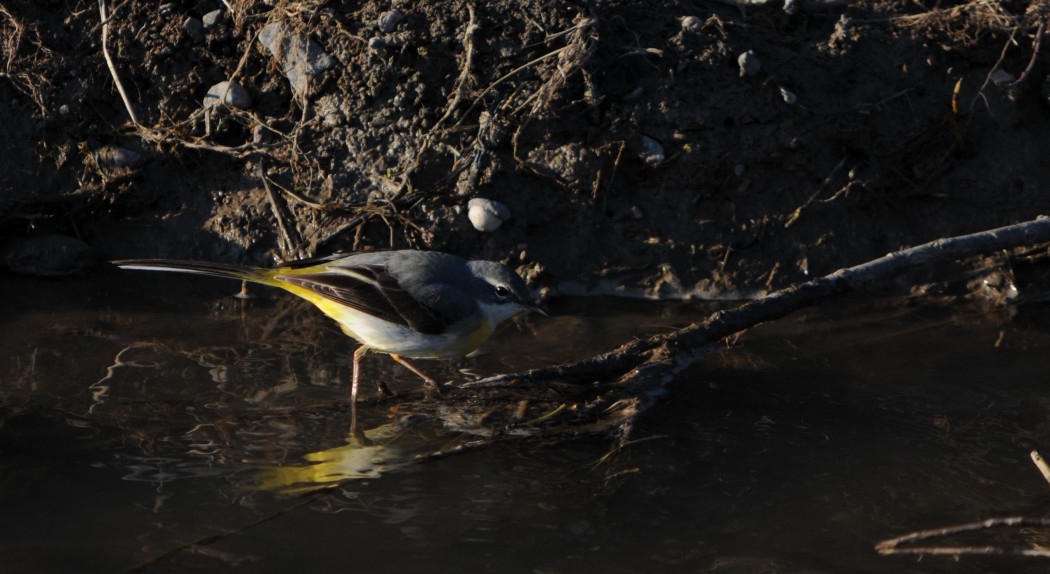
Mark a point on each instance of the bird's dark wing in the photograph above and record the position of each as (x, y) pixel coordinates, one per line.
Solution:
(371, 289)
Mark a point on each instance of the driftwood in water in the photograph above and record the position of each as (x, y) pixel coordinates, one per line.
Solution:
(607, 392)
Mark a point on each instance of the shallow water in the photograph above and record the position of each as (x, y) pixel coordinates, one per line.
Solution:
(153, 422)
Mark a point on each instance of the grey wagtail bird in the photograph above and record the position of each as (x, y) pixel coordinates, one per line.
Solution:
(414, 304)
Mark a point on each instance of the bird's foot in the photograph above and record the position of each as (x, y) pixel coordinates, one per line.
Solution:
(385, 390)
(431, 388)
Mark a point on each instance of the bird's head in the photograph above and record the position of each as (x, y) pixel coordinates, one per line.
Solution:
(502, 293)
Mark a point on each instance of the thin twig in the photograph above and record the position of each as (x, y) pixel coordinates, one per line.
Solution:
(798, 210)
(113, 67)
(988, 77)
(298, 197)
(464, 74)
(507, 76)
(1035, 53)
(1040, 463)
(276, 212)
(892, 546)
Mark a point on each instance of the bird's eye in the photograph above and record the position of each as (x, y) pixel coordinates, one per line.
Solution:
(502, 291)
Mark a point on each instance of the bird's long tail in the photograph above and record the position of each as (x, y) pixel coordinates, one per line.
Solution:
(200, 268)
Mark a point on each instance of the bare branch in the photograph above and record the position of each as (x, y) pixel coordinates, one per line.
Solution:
(111, 65)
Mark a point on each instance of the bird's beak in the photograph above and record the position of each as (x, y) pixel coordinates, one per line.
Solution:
(536, 309)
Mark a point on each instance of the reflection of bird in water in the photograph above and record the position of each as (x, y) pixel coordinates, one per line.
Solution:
(333, 467)
(408, 304)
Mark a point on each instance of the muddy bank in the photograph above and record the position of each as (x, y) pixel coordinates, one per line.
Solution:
(673, 148)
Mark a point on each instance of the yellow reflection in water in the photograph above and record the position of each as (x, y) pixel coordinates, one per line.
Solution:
(332, 467)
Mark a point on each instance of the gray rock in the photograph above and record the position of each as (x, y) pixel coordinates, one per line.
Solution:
(115, 158)
(389, 20)
(749, 64)
(212, 19)
(1001, 77)
(193, 28)
(261, 135)
(50, 256)
(691, 24)
(300, 57)
(229, 94)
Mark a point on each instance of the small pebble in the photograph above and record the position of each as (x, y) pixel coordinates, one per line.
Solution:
(389, 20)
(487, 215)
(212, 19)
(261, 135)
(377, 43)
(789, 97)
(112, 157)
(691, 24)
(227, 93)
(652, 151)
(749, 64)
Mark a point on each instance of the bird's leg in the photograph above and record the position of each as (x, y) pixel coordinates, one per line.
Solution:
(431, 384)
(354, 431)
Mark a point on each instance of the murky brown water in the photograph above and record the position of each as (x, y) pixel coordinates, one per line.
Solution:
(150, 422)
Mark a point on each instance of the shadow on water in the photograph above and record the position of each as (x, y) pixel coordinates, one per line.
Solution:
(158, 423)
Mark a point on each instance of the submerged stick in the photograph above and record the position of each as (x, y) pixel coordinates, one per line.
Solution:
(685, 345)
(892, 546)
(608, 392)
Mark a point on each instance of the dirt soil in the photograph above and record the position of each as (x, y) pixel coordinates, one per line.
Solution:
(672, 149)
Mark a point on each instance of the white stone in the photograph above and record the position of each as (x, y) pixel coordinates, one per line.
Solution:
(487, 215)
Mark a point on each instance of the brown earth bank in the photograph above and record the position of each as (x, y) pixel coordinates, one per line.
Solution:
(671, 149)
